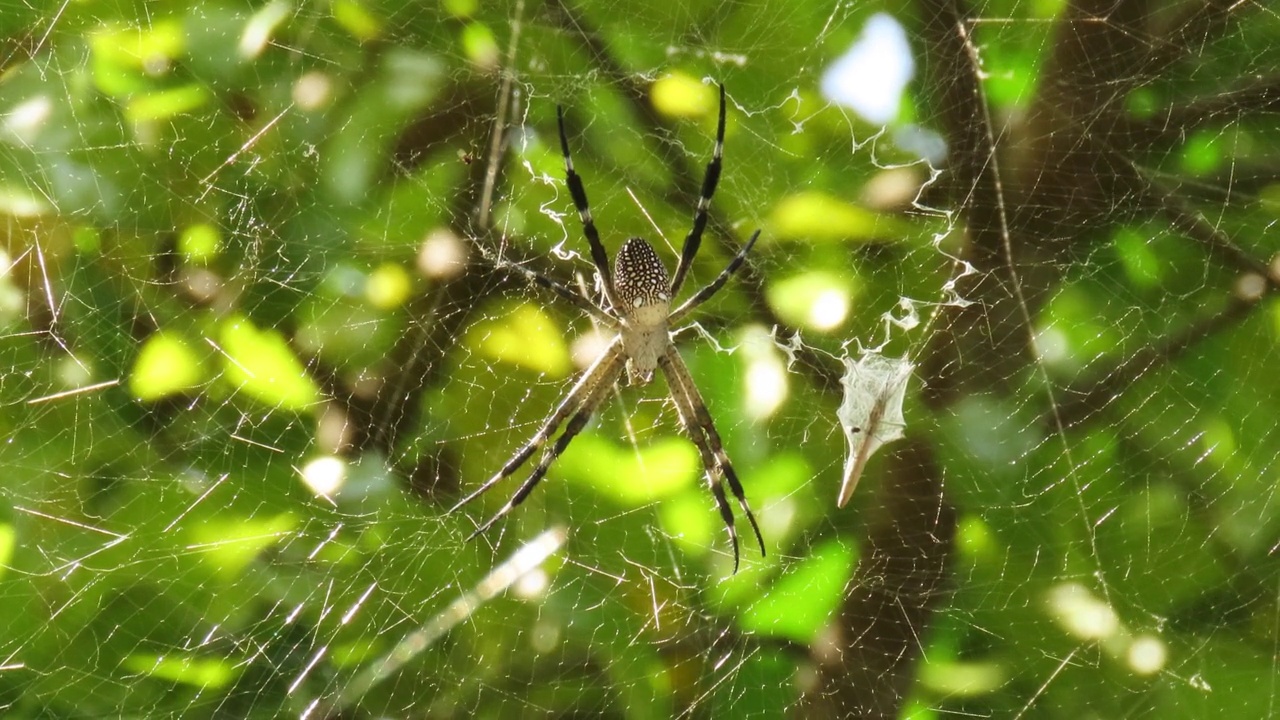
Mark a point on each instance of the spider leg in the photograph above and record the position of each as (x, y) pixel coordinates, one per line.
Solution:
(576, 399)
(705, 293)
(579, 193)
(608, 375)
(701, 429)
(543, 281)
(709, 181)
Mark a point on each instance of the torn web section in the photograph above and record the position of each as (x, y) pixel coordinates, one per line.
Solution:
(871, 413)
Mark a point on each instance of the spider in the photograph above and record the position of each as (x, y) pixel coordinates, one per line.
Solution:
(639, 294)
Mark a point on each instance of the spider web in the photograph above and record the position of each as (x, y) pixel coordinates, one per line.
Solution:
(255, 346)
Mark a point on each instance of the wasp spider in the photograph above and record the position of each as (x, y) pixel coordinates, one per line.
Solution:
(639, 294)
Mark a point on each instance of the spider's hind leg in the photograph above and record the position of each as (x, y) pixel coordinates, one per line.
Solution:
(587, 389)
(581, 403)
(702, 431)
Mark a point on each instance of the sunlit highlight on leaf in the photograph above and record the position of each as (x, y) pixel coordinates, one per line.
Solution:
(229, 544)
(22, 203)
(262, 365)
(262, 27)
(526, 337)
(680, 95)
(819, 217)
(632, 477)
(356, 19)
(817, 300)
(210, 673)
(164, 104)
(166, 366)
(24, 121)
(802, 602)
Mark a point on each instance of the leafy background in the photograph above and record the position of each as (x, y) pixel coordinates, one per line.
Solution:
(243, 380)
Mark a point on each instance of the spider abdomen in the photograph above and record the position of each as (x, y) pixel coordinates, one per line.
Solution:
(640, 277)
(644, 293)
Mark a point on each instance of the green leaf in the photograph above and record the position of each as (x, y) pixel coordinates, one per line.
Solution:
(526, 337)
(818, 217)
(229, 545)
(356, 19)
(1202, 154)
(200, 243)
(166, 366)
(1140, 262)
(633, 477)
(799, 605)
(164, 104)
(207, 672)
(261, 364)
(480, 46)
(403, 85)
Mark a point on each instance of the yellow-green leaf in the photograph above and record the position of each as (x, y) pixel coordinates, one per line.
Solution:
(356, 19)
(200, 243)
(801, 603)
(140, 47)
(630, 476)
(203, 672)
(262, 365)
(526, 337)
(8, 540)
(681, 95)
(819, 217)
(229, 545)
(164, 104)
(166, 366)
(962, 679)
(127, 59)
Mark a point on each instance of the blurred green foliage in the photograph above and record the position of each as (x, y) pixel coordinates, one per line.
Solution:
(246, 369)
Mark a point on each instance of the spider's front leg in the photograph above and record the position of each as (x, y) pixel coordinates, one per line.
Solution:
(542, 281)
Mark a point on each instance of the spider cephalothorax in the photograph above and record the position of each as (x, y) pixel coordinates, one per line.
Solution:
(639, 294)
